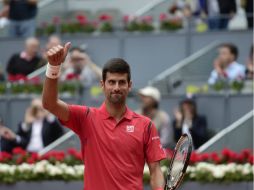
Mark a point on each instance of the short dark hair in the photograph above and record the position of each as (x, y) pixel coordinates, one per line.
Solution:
(232, 48)
(191, 103)
(116, 65)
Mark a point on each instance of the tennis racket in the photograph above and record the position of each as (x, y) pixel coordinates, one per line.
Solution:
(179, 162)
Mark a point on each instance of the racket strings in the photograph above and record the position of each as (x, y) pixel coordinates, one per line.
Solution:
(179, 161)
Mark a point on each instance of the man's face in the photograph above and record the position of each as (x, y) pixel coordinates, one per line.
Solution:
(32, 47)
(37, 109)
(116, 87)
(225, 56)
(78, 59)
(147, 101)
(187, 110)
(53, 41)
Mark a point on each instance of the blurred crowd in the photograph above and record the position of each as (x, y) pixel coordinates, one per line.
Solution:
(78, 64)
(20, 15)
(214, 14)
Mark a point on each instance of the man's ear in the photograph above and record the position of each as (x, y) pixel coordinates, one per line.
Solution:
(130, 85)
(102, 84)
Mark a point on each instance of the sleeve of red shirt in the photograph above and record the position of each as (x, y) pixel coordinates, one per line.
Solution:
(76, 119)
(153, 148)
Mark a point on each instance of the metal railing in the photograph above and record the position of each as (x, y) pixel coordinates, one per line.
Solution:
(148, 7)
(44, 3)
(196, 67)
(66, 138)
(229, 137)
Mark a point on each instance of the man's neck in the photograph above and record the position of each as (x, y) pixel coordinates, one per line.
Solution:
(117, 111)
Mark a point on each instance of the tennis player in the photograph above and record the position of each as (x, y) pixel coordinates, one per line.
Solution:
(115, 141)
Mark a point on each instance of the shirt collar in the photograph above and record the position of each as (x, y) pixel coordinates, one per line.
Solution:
(127, 115)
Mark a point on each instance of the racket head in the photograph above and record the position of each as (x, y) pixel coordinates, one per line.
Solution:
(179, 162)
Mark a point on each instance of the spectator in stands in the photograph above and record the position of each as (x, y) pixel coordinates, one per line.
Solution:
(80, 67)
(2, 77)
(183, 10)
(150, 99)
(248, 6)
(250, 64)
(219, 12)
(22, 64)
(38, 130)
(4, 14)
(182, 5)
(187, 120)
(225, 65)
(5, 135)
(22, 15)
(53, 40)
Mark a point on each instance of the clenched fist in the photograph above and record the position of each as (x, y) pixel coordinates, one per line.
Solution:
(7, 133)
(57, 54)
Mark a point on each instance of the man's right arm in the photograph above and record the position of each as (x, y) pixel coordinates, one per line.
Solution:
(50, 101)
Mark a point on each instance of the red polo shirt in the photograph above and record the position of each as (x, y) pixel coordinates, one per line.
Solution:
(114, 153)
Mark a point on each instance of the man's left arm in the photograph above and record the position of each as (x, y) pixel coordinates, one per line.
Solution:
(157, 181)
(154, 153)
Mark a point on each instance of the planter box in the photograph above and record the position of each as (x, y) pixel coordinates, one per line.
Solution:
(78, 185)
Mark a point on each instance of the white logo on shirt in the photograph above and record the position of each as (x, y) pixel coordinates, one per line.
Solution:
(155, 138)
(130, 128)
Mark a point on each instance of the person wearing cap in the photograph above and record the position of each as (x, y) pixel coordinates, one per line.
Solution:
(150, 99)
(187, 120)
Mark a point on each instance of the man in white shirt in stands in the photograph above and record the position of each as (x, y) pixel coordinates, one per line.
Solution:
(39, 129)
(225, 65)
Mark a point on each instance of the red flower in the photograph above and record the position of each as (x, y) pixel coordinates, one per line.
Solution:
(54, 156)
(17, 77)
(194, 158)
(229, 156)
(19, 160)
(35, 80)
(72, 76)
(204, 157)
(30, 160)
(251, 160)
(105, 18)
(81, 19)
(240, 158)
(19, 151)
(215, 158)
(5, 156)
(34, 156)
(76, 154)
(147, 19)
(126, 18)
(56, 20)
(246, 153)
(163, 16)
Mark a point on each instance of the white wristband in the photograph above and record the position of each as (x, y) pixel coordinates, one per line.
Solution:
(53, 72)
